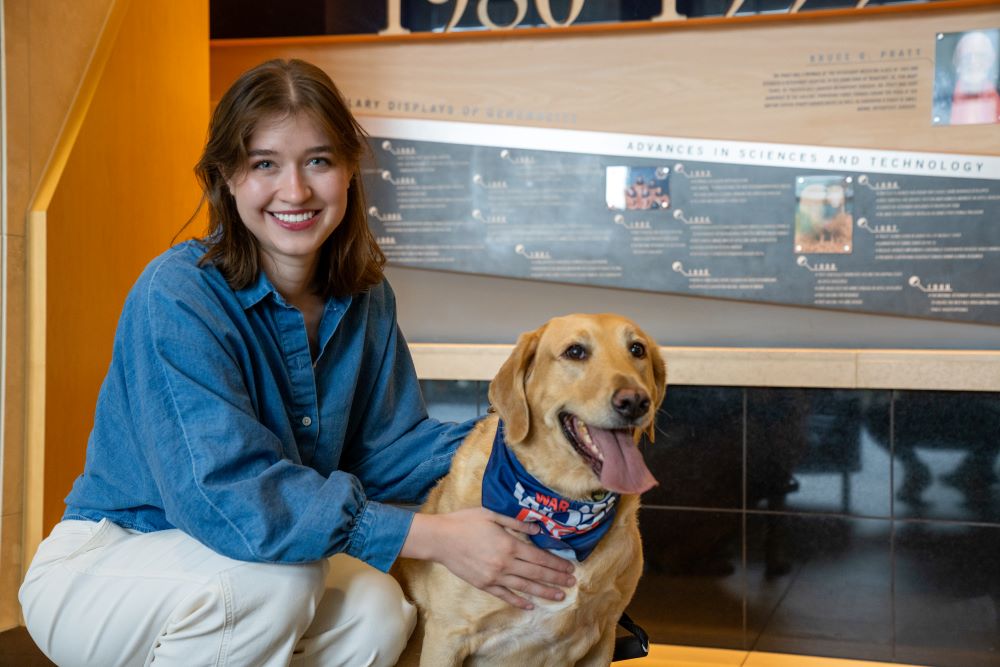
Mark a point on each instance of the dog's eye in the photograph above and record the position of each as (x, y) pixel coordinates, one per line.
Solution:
(638, 350)
(576, 352)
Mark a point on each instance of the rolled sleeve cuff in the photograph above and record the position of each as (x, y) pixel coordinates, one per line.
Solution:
(379, 533)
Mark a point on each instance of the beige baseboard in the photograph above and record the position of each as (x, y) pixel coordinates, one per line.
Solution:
(977, 370)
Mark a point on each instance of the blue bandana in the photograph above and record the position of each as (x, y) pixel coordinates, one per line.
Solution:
(566, 524)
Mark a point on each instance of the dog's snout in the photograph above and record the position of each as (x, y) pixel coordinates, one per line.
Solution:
(630, 403)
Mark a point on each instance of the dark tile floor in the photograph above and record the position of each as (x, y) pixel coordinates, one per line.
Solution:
(17, 650)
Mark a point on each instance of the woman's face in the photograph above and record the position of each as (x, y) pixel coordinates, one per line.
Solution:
(292, 193)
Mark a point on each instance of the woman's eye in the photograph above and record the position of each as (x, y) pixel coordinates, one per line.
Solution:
(262, 164)
(638, 350)
(576, 352)
(320, 161)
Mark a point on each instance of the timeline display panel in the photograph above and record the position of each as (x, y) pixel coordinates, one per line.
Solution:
(891, 232)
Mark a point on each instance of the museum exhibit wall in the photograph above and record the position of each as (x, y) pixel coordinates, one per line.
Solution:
(827, 473)
(686, 81)
(123, 102)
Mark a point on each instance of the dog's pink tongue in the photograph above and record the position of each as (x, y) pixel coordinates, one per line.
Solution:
(623, 470)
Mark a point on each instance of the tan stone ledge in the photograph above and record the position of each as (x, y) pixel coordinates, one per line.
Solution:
(977, 370)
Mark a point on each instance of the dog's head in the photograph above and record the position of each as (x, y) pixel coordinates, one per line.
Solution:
(576, 395)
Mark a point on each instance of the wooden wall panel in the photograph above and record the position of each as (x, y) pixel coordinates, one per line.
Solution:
(62, 36)
(679, 81)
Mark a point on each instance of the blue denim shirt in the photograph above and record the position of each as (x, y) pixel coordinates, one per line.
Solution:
(214, 419)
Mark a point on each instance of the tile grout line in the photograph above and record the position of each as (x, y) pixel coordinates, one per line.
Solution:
(743, 534)
(892, 523)
(823, 515)
(744, 584)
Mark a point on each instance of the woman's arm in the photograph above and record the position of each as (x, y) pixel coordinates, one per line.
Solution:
(392, 446)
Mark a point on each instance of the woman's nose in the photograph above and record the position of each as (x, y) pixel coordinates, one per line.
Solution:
(294, 187)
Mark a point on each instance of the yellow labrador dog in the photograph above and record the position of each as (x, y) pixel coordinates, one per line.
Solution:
(559, 447)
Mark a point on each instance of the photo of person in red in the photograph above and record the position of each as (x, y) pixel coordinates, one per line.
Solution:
(965, 86)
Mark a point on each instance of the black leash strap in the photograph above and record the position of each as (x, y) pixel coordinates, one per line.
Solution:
(636, 646)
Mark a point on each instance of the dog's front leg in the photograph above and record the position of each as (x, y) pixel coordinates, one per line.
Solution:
(442, 646)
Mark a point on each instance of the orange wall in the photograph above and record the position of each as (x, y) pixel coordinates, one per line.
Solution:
(124, 189)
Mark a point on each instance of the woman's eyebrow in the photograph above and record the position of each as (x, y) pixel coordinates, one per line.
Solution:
(256, 152)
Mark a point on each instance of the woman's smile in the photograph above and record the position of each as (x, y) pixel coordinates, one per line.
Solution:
(295, 221)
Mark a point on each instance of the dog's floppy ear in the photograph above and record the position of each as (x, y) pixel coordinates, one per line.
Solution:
(507, 391)
(659, 382)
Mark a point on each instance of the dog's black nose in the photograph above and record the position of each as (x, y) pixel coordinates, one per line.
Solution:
(630, 403)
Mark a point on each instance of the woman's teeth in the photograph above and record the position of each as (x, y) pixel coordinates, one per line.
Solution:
(294, 217)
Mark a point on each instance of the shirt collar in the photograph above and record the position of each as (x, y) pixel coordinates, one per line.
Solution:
(250, 295)
(566, 524)
(255, 292)
(258, 290)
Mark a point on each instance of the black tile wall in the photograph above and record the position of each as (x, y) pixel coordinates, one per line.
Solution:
(947, 594)
(820, 585)
(807, 451)
(454, 400)
(945, 447)
(698, 453)
(692, 588)
(850, 524)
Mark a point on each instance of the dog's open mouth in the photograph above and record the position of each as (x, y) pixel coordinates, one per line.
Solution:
(611, 453)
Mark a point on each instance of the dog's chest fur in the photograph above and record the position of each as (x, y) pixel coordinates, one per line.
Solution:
(556, 633)
(539, 636)
(553, 633)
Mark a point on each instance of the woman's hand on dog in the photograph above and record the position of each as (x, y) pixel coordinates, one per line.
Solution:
(476, 547)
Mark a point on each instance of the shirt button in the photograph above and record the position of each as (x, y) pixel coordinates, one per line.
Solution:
(306, 421)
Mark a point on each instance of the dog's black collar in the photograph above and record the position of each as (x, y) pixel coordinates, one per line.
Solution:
(566, 524)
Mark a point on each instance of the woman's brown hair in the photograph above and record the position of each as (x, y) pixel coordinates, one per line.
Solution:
(350, 260)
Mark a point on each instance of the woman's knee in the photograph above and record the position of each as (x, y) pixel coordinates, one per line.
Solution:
(363, 619)
(375, 596)
(250, 614)
(282, 590)
(386, 608)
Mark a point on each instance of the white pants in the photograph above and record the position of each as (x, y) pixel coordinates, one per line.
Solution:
(99, 595)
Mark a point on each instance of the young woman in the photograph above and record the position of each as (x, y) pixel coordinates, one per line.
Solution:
(260, 412)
